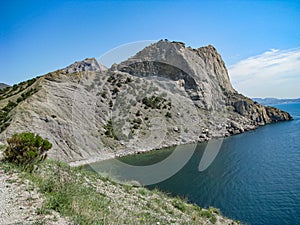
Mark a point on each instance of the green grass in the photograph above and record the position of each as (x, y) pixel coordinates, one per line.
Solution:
(143, 191)
(179, 204)
(89, 198)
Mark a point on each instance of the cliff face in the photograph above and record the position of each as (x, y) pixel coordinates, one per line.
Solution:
(165, 95)
(201, 71)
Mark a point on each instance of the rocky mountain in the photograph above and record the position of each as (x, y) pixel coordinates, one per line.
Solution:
(167, 94)
(2, 86)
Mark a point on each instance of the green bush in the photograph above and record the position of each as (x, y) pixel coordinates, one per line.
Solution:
(128, 80)
(138, 113)
(109, 129)
(169, 115)
(111, 104)
(26, 150)
(153, 102)
(115, 91)
(137, 121)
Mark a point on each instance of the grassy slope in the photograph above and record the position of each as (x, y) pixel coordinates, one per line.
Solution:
(89, 198)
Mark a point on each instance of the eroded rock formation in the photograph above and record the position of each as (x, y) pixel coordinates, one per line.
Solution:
(167, 94)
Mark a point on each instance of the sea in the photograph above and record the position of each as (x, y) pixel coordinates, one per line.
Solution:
(254, 178)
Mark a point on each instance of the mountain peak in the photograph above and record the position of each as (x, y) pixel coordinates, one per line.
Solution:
(203, 65)
(88, 64)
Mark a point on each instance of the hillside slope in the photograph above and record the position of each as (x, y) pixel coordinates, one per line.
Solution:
(2, 86)
(57, 194)
(165, 95)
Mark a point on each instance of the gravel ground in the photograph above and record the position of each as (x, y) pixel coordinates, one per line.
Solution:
(19, 202)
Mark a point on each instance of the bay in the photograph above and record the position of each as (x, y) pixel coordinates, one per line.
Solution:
(255, 178)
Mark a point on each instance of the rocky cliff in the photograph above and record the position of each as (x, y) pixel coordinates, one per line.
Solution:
(167, 94)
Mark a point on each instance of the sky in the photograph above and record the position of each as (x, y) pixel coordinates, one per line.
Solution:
(258, 40)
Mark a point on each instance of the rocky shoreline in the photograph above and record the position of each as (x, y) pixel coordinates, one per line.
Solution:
(122, 153)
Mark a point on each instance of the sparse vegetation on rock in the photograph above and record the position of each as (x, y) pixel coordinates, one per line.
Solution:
(20, 92)
(154, 102)
(16, 89)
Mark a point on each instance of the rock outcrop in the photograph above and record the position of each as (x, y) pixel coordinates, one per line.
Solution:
(89, 64)
(258, 114)
(167, 94)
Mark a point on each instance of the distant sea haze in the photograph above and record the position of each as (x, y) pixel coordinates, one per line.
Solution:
(275, 101)
(255, 178)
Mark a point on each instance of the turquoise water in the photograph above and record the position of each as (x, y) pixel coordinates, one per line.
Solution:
(255, 178)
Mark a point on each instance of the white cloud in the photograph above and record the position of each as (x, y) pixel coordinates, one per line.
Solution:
(275, 73)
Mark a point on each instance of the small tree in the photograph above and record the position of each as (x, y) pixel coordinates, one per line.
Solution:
(26, 149)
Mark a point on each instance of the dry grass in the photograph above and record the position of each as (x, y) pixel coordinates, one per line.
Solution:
(89, 198)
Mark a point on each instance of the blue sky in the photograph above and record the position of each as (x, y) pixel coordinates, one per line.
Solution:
(37, 37)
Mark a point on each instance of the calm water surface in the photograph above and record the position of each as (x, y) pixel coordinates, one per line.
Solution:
(255, 178)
